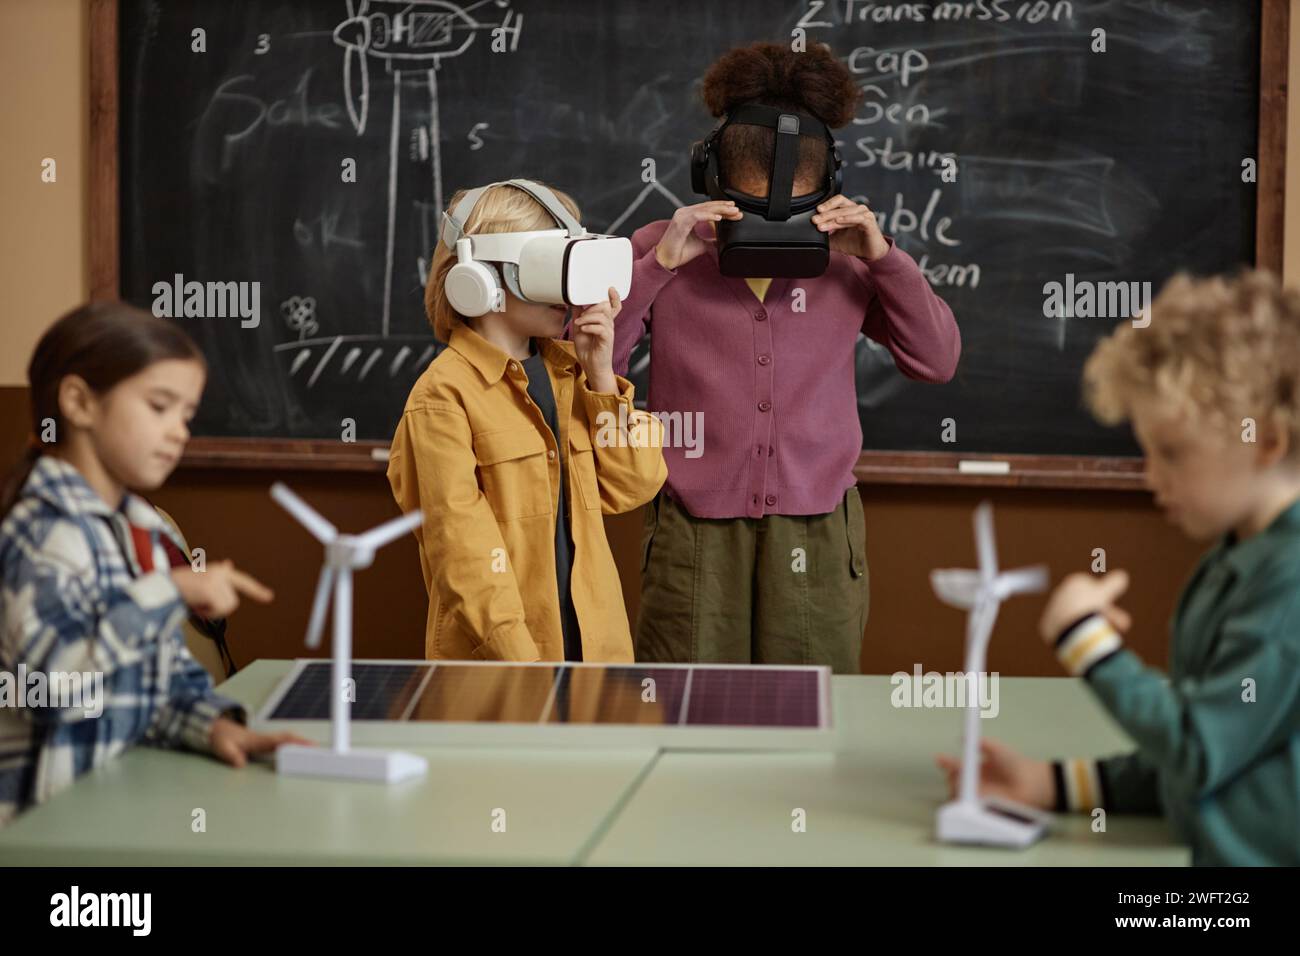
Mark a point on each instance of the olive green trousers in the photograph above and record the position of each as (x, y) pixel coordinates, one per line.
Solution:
(783, 589)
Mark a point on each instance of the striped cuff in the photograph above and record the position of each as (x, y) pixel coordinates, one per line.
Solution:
(1084, 645)
(195, 731)
(1080, 787)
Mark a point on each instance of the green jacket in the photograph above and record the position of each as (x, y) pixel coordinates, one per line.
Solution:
(1219, 739)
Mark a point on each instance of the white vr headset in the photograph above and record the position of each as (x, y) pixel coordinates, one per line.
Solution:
(564, 266)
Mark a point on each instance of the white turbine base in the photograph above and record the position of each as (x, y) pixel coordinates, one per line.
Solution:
(387, 766)
(985, 821)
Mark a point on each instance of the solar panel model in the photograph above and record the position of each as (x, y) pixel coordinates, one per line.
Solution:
(690, 706)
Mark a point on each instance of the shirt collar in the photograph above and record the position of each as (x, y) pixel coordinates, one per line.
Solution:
(1245, 557)
(491, 361)
(559, 353)
(60, 484)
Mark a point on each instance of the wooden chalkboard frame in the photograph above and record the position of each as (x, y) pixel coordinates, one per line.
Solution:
(880, 467)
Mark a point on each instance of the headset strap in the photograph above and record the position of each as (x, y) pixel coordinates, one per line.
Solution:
(789, 126)
(755, 114)
(453, 223)
(552, 203)
(780, 190)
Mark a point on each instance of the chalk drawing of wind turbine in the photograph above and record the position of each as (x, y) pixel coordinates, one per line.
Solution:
(409, 38)
(971, 818)
(406, 36)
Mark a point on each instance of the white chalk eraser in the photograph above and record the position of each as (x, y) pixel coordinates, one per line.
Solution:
(379, 454)
(981, 467)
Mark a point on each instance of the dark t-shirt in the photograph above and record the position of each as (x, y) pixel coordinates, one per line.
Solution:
(539, 389)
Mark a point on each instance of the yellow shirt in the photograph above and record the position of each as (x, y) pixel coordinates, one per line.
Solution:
(474, 453)
(758, 287)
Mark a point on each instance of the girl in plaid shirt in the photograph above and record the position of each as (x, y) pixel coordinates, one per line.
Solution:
(86, 587)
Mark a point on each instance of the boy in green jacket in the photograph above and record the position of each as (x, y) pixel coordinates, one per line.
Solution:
(1212, 386)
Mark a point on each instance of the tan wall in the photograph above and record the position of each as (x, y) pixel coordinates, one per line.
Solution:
(43, 269)
(43, 263)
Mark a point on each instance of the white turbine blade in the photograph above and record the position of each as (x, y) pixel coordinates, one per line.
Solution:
(321, 530)
(1022, 581)
(957, 587)
(376, 538)
(985, 548)
(318, 605)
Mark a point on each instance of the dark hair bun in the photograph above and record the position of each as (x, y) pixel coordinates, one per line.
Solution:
(814, 81)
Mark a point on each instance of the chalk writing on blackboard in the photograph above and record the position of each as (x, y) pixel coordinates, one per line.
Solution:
(996, 145)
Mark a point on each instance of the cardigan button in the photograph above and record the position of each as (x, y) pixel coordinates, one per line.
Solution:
(765, 406)
(760, 314)
(764, 359)
(771, 500)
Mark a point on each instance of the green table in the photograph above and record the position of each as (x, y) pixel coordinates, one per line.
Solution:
(870, 802)
(138, 810)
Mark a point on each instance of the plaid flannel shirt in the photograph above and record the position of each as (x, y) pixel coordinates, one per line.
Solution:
(74, 599)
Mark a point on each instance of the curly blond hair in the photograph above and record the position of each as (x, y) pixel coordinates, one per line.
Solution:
(1220, 349)
(500, 209)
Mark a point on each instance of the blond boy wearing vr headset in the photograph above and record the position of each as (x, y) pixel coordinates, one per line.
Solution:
(501, 443)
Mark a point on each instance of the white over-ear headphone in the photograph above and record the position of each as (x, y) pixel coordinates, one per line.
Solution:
(472, 287)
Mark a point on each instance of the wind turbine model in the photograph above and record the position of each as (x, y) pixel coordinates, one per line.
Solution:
(971, 818)
(343, 554)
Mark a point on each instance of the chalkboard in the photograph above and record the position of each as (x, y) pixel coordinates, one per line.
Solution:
(1091, 142)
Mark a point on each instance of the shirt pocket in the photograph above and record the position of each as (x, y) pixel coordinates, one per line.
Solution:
(513, 473)
(582, 466)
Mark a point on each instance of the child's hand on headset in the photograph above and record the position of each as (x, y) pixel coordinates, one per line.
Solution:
(679, 243)
(853, 228)
(593, 337)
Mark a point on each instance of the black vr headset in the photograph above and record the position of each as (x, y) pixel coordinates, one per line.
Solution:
(776, 236)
